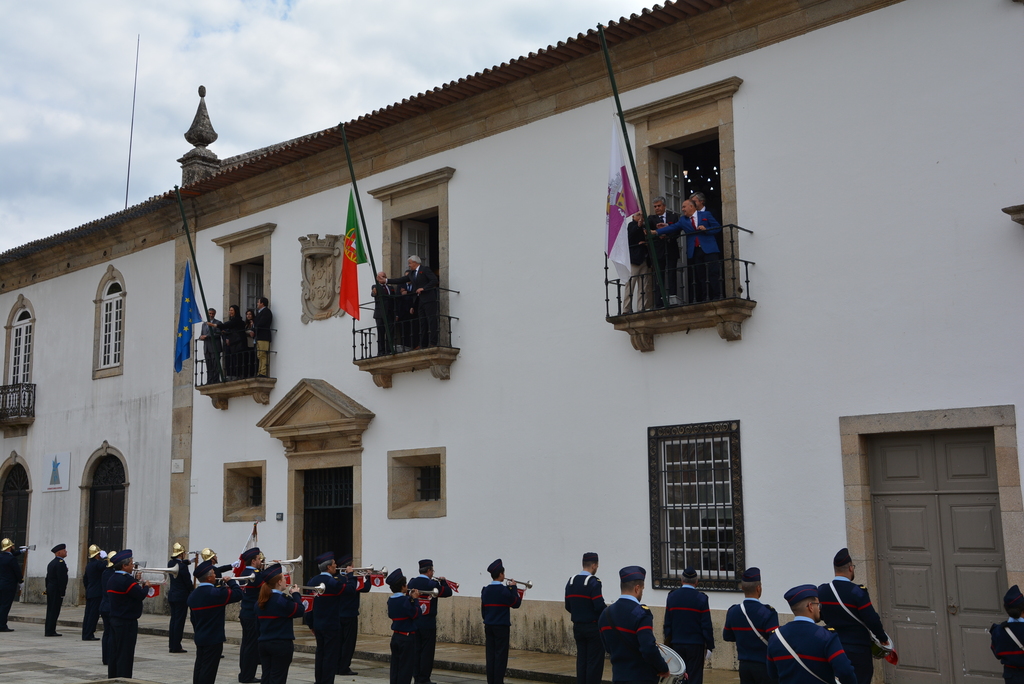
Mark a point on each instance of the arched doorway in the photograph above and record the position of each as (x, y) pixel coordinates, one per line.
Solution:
(106, 504)
(14, 510)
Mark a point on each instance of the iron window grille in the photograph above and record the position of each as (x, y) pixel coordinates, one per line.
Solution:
(696, 501)
(255, 491)
(328, 488)
(429, 488)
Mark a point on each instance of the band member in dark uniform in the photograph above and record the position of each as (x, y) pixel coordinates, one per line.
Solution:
(248, 652)
(749, 624)
(349, 610)
(584, 600)
(846, 608)
(276, 608)
(106, 641)
(56, 587)
(126, 597)
(426, 625)
(207, 603)
(801, 652)
(688, 626)
(403, 609)
(327, 619)
(627, 630)
(93, 592)
(1008, 638)
(178, 590)
(497, 599)
(10, 579)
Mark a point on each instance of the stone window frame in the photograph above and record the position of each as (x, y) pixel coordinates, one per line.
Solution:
(111, 275)
(237, 506)
(403, 482)
(241, 248)
(88, 472)
(21, 304)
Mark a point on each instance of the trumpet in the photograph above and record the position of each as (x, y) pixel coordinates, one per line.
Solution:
(221, 581)
(433, 593)
(527, 585)
(318, 589)
(164, 572)
(291, 562)
(370, 571)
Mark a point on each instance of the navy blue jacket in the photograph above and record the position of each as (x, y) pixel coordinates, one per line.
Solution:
(56, 577)
(327, 606)
(403, 611)
(750, 646)
(349, 604)
(631, 643)
(92, 578)
(207, 608)
(250, 592)
(428, 607)
(820, 650)
(496, 602)
(856, 598)
(126, 596)
(10, 570)
(688, 618)
(276, 617)
(105, 599)
(583, 598)
(179, 587)
(1004, 648)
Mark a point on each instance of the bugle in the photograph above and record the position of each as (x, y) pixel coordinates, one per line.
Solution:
(370, 571)
(164, 573)
(292, 562)
(433, 593)
(318, 589)
(526, 585)
(221, 581)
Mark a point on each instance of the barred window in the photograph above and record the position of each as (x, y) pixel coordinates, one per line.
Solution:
(429, 488)
(696, 503)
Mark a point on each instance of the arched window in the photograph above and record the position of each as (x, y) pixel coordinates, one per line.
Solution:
(106, 504)
(14, 508)
(21, 348)
(108, 356)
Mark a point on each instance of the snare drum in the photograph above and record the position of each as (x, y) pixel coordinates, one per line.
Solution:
(676, 666)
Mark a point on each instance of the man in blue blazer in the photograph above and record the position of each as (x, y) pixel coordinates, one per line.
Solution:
(703, 257)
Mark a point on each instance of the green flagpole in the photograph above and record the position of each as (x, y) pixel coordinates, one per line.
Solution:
(199, 278)
(632, 165)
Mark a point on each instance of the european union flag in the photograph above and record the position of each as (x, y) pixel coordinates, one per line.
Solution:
(189, 315)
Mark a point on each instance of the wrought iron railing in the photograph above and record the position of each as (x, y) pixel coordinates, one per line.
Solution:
(684, 285)
(224, 366)
(399, 332)
(17, 401)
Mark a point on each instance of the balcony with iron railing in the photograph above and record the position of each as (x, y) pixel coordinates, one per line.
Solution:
(714, 294)
(401, 341)
(17, 408)
(222, 375)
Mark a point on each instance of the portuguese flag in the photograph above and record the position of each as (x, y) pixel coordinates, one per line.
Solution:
(350, 260)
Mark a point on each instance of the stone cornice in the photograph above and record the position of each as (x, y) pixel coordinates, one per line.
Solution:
(411, 185)
(246, 235)
(688, 100)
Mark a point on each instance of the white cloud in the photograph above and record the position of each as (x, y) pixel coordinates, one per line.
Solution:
(274, 70)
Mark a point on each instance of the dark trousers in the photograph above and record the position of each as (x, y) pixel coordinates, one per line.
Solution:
(385, 338)
(249, 651)
(349, 631)
(122, 654)
(107, 640)
(176, 627)
(212, 366)
(328, 648)
(207, 663)
(753, 673)
(693, 656)
(496, 652)
(589, 652)
(92, 616)
(426, 643)
(403, 657)
(428, 324)
(53, 602)
(275, 658)
(1013, 675)
(705, 275)
(6, 601)
(863, 663)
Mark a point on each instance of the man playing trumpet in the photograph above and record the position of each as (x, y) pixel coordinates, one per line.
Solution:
(180, 586)
(403, 609)
(327, 619)
(426, 624)
(497, 600)
(126, 595)
(248, 652)
(349, 613)
(207, 604)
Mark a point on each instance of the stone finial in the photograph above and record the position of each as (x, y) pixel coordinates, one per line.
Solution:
(199, 162)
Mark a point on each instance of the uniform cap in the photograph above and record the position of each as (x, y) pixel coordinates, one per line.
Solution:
(324, 557)
(249, 554)
(426, 563)
(752, 575)
(345, 560)
(689, 573)
(590, 557)
(58, 547)
(1013, 598)
(121, 557)
(93, 551)
(801, 593)
(395, 576)
(842, 558)
(631, 573)
(272, 572)
(496, 567)
(203, 568)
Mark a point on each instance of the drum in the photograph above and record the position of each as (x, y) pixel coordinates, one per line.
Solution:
(676, 666)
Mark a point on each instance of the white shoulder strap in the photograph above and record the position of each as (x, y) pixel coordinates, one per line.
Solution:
(839, 599)
(797, 658)
(571, 579)
(750, 622)
(1013, 636)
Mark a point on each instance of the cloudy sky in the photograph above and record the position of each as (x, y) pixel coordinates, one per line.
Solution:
(273, 69)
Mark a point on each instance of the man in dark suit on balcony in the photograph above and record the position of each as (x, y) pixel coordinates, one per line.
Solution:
(424, 286)
(666, 250)
(384, 298)
(264, 322)
(702, 254)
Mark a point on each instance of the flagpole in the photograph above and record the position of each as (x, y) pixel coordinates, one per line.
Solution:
(632, 164)
(367, 243)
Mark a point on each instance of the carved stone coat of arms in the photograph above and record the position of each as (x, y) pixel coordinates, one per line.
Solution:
(321, 276)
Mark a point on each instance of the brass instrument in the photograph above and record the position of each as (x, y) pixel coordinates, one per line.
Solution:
(164, 572)
(288, 565)
(433, 593)
(245, 579)
(526, 585)
(317, 590)
(370, 571)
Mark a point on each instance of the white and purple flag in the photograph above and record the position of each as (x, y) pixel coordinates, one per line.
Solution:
(622, 205)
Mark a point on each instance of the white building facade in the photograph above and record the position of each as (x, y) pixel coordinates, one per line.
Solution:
(858, 389)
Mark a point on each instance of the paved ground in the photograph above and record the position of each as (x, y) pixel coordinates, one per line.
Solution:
(27, 656)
